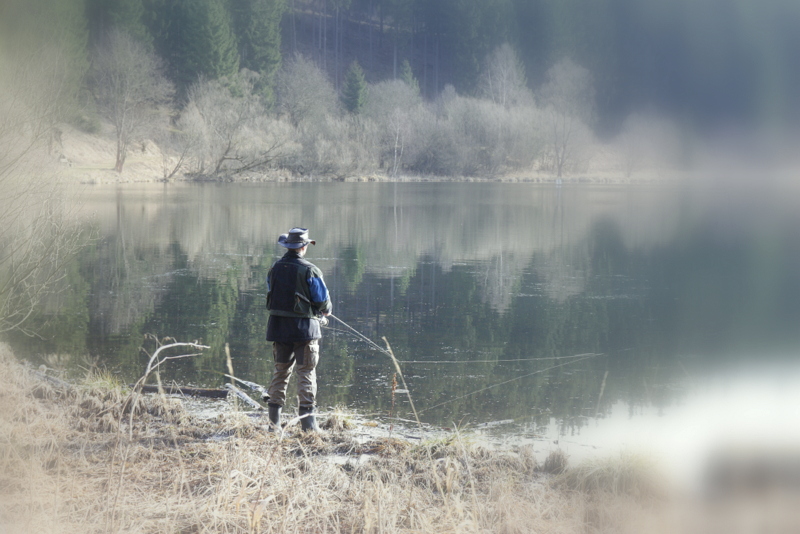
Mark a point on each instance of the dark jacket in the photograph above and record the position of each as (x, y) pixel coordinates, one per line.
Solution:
(296, 294)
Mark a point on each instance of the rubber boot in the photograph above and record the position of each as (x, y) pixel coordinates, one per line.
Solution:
(274, 417)
(308, 421)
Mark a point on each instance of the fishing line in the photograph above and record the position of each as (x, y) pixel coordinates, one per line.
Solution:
(375, 345)
(509, 381)
(545, 358)
(572, 359)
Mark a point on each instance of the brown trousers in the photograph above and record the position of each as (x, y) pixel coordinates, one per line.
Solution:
(306, 355)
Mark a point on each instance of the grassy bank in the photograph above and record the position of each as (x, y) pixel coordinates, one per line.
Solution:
(70, 462)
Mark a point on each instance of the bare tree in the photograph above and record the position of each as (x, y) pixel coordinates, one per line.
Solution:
(176, 148)
(37, 237)
(128, 87)
(304, 92)
(394, 105)
(503, 79)
(328, 143)
(568, 98)
(228, 126)
(474, 136)
(334, 145)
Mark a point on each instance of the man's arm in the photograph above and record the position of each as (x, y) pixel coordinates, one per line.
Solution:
(319, 294)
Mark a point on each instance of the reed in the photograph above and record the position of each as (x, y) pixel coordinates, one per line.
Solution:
(83, 460)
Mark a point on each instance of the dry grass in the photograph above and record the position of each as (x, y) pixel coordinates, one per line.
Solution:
(68, 464)
(628, 474)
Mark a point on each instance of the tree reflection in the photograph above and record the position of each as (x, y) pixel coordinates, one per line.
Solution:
(522, 279)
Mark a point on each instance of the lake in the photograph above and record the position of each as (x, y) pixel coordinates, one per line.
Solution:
(587, 317)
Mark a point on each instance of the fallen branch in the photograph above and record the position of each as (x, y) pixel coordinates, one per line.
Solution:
(258, 388)
(57, 382)
(153, 364)
(186, 391)
(243, 396)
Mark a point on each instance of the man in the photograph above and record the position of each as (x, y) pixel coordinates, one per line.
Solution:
(296, 297)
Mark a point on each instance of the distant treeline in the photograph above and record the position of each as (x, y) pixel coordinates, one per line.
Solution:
(709, 60)
(438, 87)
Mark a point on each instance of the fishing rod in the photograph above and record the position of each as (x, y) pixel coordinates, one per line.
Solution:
(362, 336)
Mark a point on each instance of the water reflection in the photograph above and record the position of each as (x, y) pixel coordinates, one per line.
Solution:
(480, 285)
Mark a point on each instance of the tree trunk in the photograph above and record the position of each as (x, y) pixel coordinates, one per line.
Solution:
(394, 59)
(294, 29)
(425, 90)
(325, 36)
(380, 34)
(436, 70)
(336, 49)
(319, 34)
(371, 45)
(121, 149)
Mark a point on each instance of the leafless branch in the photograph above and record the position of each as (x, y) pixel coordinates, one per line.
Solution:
(153, 364)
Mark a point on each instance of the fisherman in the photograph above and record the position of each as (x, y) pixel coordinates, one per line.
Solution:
(298, 301)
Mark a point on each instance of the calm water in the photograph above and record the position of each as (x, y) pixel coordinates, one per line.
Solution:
(485, 290)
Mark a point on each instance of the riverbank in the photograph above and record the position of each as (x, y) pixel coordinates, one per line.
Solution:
(84, 158)
(75, 459)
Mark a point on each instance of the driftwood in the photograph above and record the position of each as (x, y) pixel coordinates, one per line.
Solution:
(189, 392)
(243, 397)
(258, 388)
(57, 382)
(205, 392)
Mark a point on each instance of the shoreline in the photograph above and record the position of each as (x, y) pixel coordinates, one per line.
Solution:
(79, 459)
(110, 177)
(87, 159)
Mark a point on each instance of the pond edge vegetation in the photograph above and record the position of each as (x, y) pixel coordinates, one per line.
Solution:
(83, 458)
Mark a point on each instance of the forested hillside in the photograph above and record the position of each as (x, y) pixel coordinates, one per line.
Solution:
(443, 87)
(712, 60)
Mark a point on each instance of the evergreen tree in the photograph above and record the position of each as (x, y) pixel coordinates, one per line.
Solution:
(338, 7)
(257, 25)
(407, 75)
(124, 15)
(400, 12)
(480, 26)
(460, 33)
(203, 41)
(164, 19)
(354, 94)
